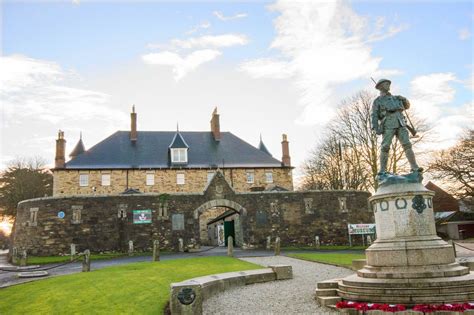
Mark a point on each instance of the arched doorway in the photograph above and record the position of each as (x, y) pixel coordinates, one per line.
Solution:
(218, 219)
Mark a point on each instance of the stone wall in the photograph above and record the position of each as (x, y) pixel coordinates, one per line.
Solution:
(105, 222)
(66, 182)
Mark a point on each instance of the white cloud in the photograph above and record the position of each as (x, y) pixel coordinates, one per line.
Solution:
(181, 65)
(36, 98)
(432, 98)
(321, 45)
(224, 18)
(464, 34)
(202, 25)
(208, 41)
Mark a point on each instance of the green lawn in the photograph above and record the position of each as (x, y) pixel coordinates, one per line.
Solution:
(41, 260)
(339, 259)
(138, 288)
(325, 247)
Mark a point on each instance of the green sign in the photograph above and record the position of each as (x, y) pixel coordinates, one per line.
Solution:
(361, 228)
(141, 216)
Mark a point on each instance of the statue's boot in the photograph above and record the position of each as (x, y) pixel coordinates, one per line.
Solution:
(383, 162)
(411, 159)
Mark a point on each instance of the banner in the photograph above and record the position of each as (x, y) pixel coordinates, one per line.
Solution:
(141, 216)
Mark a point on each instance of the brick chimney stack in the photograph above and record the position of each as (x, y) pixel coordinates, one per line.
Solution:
(133, 127)
(285, 148)
(215, 126)
(60, 159)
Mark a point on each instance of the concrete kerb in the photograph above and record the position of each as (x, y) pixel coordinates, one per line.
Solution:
(187, 296)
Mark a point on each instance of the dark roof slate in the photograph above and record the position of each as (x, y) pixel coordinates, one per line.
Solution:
(151, 150)
(263, 148)
(78, 149)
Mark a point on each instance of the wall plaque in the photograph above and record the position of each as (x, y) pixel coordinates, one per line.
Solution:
(177, 222)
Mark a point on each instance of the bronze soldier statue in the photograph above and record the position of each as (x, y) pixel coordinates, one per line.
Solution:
(388, 120)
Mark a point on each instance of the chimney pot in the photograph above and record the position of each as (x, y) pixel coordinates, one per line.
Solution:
(285, 148)
(215, 125)
(133, 123)
(60, 159)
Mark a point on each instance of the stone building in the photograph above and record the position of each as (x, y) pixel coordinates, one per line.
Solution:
(145, 185)
(167, 162)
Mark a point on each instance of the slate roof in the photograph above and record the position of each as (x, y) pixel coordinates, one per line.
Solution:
(78, 149)
(151, 150)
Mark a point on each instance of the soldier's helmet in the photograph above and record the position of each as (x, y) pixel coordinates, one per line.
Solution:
(380, 82)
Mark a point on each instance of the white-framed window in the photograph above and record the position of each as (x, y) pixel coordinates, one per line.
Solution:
(268, 177)
(150, 179)
(210, 175)
(179, 155)
(180, 179)
(105, 180)
(250, 177)
(83, 180)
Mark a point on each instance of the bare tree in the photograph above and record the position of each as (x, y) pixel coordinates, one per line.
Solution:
(348, 155)
(456, 166)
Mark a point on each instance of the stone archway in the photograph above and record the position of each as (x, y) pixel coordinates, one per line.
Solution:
(217, 204)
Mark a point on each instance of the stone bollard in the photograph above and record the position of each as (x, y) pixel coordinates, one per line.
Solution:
(269, 242)
(181, 245)
(156, 250)
(23, 257)
(277, 246)
(317, 243)
(369, 240)
(130, 248)
(86, 262)
(14, 256)
(73, 251)
(230, 246)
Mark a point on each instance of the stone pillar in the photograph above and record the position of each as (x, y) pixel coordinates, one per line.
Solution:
(277, 246)
(73, 251)
(230, 246)
(269, 242)
(14, 255)
(86, 262)
(130, 248)
(23, 257)
(156, 250)
(180, 245)
(317, 243)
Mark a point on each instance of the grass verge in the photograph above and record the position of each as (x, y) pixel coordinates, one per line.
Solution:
(338, 259)
(138, 288)
(325, 247)
(42, 260)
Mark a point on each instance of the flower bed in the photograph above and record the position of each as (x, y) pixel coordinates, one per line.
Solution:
(432, 309)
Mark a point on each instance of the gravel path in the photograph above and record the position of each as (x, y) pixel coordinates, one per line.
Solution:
(295, 296)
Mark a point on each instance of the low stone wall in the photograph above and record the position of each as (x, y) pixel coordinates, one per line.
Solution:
(187, 296)
(47, 226)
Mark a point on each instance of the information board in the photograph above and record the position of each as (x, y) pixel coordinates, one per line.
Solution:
(361, 228)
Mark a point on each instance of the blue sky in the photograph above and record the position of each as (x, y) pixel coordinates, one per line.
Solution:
(271, 67)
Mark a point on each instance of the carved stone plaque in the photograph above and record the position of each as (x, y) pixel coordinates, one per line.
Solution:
(186, 296)
(177, 222)
(262, 218)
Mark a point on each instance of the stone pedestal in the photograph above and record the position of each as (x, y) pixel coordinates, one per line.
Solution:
(408, 263)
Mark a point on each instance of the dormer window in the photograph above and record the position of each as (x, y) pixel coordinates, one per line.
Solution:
(179, 155)
(179, 149)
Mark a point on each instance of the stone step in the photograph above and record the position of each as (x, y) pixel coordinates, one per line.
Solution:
(407, 291)
(328, 300)
(328, 284)
(18, 268)
(32, 274)
(409, 300)
(451, 270)
(356, 281)
(326, 292)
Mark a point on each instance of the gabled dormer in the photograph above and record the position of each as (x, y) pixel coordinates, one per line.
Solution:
(178, 150)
